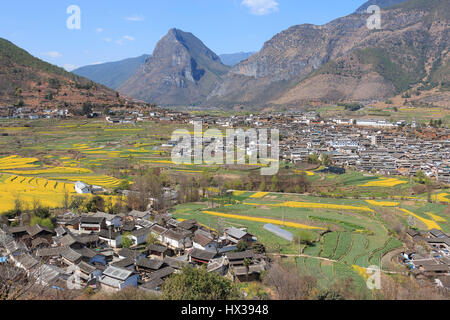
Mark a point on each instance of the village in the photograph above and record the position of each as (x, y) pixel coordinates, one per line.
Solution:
(91, 250)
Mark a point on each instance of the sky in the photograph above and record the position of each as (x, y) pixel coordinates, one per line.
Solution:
(106, 30)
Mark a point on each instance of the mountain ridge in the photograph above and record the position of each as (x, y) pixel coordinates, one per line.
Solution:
(181, 71)
(28, 81)
(112, 74)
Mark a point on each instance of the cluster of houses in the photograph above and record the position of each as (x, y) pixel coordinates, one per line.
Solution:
(369, 149)
(433, 260)
(368, 145)
(13, 112)
(88, 250)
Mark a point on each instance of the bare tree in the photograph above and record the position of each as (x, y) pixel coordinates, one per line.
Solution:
(288, 283)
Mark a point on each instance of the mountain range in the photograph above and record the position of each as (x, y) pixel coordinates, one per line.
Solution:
(341, 61)
(112, 74)
(344, 60)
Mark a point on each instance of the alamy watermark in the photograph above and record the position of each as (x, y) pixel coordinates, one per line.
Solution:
(236, 147)
(374, 21)
(74, 20)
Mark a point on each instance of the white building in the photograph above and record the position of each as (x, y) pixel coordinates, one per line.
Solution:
(82, 188)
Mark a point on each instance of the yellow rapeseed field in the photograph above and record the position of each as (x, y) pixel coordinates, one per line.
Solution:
(100, 180)
(312, 205)
(259, 195)
(53, 170)
(17, 162)
(29, 190)
(238, 193)
(384, 182)
(263, 220)
(308, 173)
(429, 223)
(435, 217)
(443, 197)
(383, 203)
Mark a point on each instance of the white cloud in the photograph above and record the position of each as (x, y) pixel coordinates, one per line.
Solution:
(69, 67)
(52, 54)
(99, 30)
(121, 41)
(107, 39)
(135, 18)
(261, 7)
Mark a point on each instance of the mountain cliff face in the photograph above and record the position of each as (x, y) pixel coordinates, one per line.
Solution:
(31, 82)
(112, 74)
(344, 60)
(181, 71)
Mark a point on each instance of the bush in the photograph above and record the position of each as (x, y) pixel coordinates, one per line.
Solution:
(199, 284)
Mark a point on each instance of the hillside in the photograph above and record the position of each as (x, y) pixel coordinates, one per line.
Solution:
(344, 60)
(29, 81)
(112, 74)
(181, 71)
(380, 3)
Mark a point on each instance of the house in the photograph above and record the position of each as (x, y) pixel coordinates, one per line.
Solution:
(41, 232)
(128, 253)
(158, 231)
(201, 256)
(147, 266)
(92, 224)
(113, 239)
(70, 257)
(162, 273)
(82, 188)
(127, 263)
(158, 251)
(203, 242)
(69, 220)
(177, 240)
(88, 272)
(177, 263)
(113, 221)
(139, 236)
(238, 258)
(47, 275)
(145, 215)
(235, 235)
(91, 256)
(116, 279)
(250, 273)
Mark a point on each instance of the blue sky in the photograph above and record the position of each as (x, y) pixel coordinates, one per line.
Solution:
(115, 30)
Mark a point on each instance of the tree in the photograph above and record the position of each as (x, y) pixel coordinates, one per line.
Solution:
(151, 239)
(247, 264)
(241, 246)
(274, 186)
(326, 159)
(313, 158)
(199, 284)
(127, 242)
(87, 108)
(259, 248)
(288, 283)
